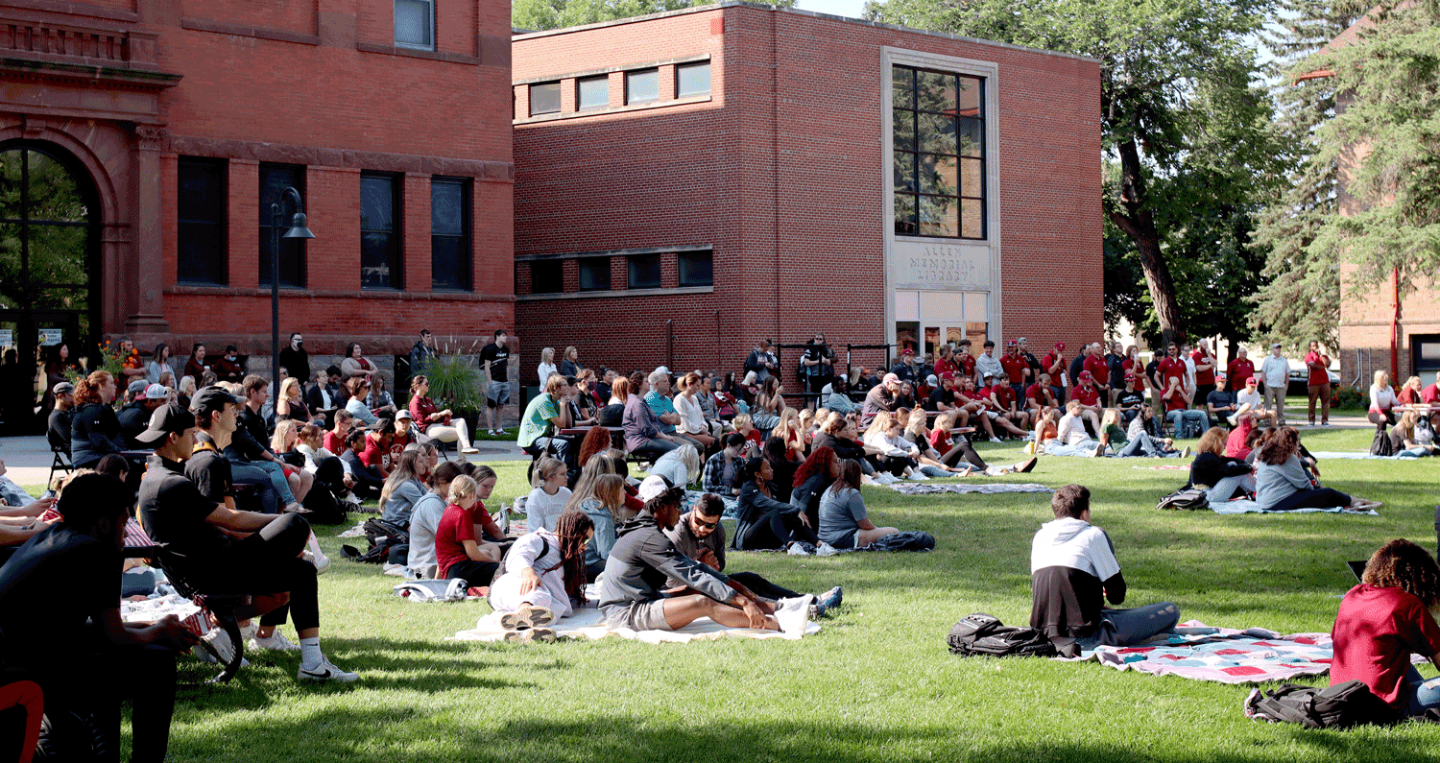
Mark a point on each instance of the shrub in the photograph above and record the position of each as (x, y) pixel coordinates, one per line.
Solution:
(455, 380)
(1348, 398)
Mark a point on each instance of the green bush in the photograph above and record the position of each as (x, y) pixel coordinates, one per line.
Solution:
(1348, 398)
(455, 383)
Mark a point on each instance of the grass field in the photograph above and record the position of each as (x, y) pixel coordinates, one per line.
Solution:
(877, 684)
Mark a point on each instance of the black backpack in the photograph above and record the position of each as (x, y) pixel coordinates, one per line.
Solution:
(1335, 707)
(985, 636)
(383, 536)
(1189, 498)
(1381, 445)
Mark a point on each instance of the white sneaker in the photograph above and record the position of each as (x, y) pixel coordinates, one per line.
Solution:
(321, 563)
(218, 644)
(795, 549)
(825, 549)
(996, 440)
(275, 643)
(469, 451)
(793, 614)
(326, 671)
(917, 477)
(247, 632)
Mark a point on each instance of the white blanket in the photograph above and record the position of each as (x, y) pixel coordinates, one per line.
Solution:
(1244, 506)
(589, 623)
(990, 488)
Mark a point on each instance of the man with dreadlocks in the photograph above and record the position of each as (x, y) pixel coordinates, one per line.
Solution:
(543, 577)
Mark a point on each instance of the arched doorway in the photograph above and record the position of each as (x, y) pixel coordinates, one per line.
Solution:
(49, 268)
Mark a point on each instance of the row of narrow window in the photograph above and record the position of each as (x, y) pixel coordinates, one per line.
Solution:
(642, 272)
(641, 86)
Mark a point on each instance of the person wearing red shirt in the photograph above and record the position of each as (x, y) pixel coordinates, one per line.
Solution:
(1235, 446)
(1088, 396)
(1003, 396)
(944, 361)
(1205, 365)
(1431, 394)
(976, 405)
(1318, 384)
(964, 362)
(335, 438)
(1039, 397)
(1240, 368)
(1385, 619)
(1099, 370)
(459, 553)
(1016, 369)
(1170, 367)
(1054, 365)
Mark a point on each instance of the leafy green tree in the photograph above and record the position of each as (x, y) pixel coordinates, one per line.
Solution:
(1183, 129)
(557, 14)
(1300, 298)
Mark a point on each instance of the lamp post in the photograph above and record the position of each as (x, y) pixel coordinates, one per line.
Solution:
(297, 230)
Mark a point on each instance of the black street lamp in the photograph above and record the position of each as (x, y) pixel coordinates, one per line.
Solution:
(297, 230)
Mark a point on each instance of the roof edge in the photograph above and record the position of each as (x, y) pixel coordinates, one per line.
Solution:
(799, 12)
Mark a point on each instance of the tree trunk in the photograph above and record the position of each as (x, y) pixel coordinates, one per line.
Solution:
(1139, 225)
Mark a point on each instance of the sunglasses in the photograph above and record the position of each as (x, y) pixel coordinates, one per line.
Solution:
(707, 525)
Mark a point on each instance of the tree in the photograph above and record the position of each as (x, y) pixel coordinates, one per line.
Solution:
(1300, 299)
(557, 14)
(1182, 128)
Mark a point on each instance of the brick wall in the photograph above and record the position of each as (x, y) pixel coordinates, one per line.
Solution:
(787, 190)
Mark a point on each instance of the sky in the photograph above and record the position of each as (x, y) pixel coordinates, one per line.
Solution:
(851, 8)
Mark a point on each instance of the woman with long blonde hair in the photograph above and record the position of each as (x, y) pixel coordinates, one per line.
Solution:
(291, 404)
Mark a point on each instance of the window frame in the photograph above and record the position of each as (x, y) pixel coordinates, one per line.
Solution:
(709, 82)
(430, 5)
(559, 275)
(397, 206)
(680, 265)
(221, 167)
(602, 264)
(263, 272)
(630, 263)
(559, 97)
(603, 79)
(466, 236)
(915, 152)
(652, 70)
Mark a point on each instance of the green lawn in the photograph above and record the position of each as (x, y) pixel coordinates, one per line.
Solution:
(877, 684)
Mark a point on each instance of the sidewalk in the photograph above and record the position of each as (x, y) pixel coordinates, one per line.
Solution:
(27, 459)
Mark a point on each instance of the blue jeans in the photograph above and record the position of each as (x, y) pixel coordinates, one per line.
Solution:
(1424, 695)
(1084, 448)
(1226, 488)
(1144, 445)
(1191, 415)
(1127, 627)
(262, 473)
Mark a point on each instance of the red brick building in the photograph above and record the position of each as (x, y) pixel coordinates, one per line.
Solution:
(690, 182)
(150, 138)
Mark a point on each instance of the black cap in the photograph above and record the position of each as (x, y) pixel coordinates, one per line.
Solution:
(168, 419)
(212, 398)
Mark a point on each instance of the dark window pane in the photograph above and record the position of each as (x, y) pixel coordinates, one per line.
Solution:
(594, 274)
(939, 174)
(592, 93)
(692, 79)
(273, 181)
(903, 78)
(642, 86)
(201, 211)
(903, 129)
(971, 137)
(696, 269)
(937, 133)
(935, 92)
(547, 277)
(939, 216)
(904, 172)
(413, 23)
(905, 215)
(644, 271)
(450, 244)
(545, 99)
(380, 264)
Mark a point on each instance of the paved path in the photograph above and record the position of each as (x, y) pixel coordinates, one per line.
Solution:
(27, 459)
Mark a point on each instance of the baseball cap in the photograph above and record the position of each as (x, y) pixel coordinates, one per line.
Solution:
(663, 370)
(156, 392)
(907, 351)
(1011, 343)
(1275, 346)
(1129, 376)
(653, 486)
(212, 398)
(137, 386)
(932, 380)
(63, 388)
(1250, 380)
(1086, 375)
(168, 419)
(1059, 345)
(403, 413)
(1221, 377)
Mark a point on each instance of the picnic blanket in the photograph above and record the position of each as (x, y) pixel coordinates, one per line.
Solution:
(921, 488)
(1245, 506)
(589, 623)
(1200, 652)
(1354, 455)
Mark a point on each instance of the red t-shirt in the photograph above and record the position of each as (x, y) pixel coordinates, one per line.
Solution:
(456, 525)
(1174, 402)
(1086, 394)
(334, 442)
(373, 455)
(1203, 377)
(1407, 396)
(1015, 367)
(1127, 365)
(1003, 395)
(1318, 376)
(1239, 371)
(1036, 396)
(1049, 362)
(944, 366)
(1375, 633)
(966, 363)
(940, 441)
(1171, 368)
(1098, 368)
(1235, 443)
(1430, 394)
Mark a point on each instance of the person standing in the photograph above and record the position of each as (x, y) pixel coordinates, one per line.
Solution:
(495, 361)
(295, 359)
(422, 354)
(1205, 369)
(1240, 369)
(1317, 364)
(761, 361)
(1275, 372)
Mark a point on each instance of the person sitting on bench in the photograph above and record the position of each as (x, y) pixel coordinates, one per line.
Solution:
(1073, 571)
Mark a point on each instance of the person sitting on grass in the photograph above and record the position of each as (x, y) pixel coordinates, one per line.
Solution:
(929, 459)
(1071, 438)
(1073, 571)
(700, 536)
(543, 578)
(61, 592)
(1413, 435)
(892, 452)
(679, 467)
(764, 522)
(359, 389)
(603, 500)
(1283, 484)
(460, 552)
(644, 559)
(812, 478)
(844, 522)
(425, 520)
(1220, 476)
(1385, 619)
(720, 469)
(404, 487)
(368, 481)
(1135, 441)
(546, 502)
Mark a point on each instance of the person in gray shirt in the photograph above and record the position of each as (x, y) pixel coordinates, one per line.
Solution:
(843, 521)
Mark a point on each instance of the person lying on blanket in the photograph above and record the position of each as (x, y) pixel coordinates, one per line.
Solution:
(1386, 618)
(643, 559)
(1073, 570)
(700, 536)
